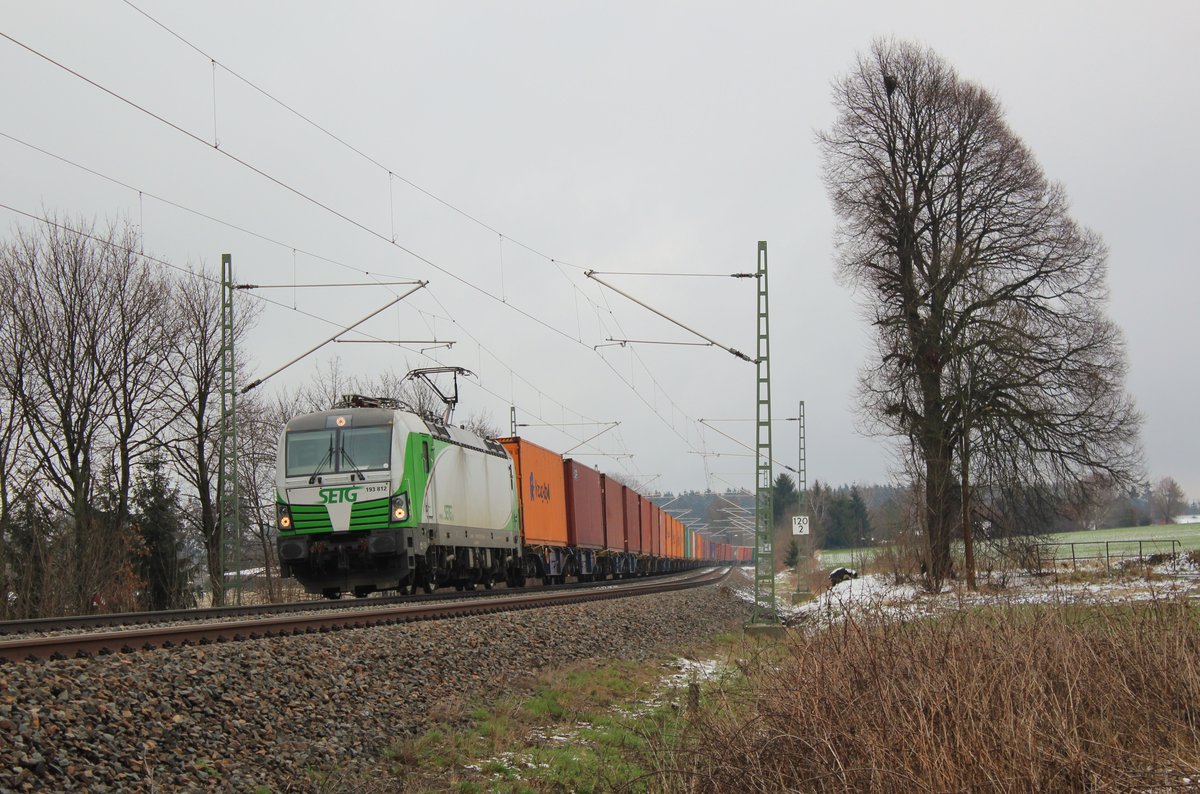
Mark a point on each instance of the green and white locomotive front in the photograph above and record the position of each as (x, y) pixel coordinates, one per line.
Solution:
(378, 499)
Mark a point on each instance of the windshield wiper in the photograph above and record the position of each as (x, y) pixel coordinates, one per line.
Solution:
(328, 457)
(346, 457)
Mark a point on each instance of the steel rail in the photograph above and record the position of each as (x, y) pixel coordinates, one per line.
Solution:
(65, 646)
(115, 619)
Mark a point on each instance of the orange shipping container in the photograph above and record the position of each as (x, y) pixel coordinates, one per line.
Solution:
(647, 512)
(668, 535)
(614, 513)
(656, 530)
(585, 506)
(541, 492)
(633, 519)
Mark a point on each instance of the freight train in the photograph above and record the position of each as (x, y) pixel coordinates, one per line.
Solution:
(382, 498)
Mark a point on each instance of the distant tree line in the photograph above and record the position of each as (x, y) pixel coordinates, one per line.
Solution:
(851, 516)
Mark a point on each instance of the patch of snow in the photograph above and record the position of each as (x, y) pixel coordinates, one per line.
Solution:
(879, 594)
(568, 735)
(692, 670)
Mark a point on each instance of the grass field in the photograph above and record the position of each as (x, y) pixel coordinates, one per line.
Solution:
(1002, 698)
(1188, 536)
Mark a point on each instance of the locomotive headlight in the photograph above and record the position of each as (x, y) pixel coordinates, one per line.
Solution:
(400, 507)
(283, 516)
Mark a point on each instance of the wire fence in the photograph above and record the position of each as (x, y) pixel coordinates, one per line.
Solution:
(1108, 555)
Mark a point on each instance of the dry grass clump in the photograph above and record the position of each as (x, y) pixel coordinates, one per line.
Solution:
(1051, 698)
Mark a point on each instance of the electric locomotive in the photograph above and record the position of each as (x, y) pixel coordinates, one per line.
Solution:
(375, 497)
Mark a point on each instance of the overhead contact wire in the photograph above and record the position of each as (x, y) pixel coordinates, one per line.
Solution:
(178, 206)
(333, 136)
(306, 197)
(252, 233)
(203, 276)
(337, 138)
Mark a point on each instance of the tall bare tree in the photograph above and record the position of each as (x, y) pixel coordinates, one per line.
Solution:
(85, 333)
(135, 349)
(260, 421)
(12, 443)
(195, 404)
(993, 353)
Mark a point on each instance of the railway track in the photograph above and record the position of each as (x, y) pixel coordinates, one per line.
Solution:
(9, 628)
(322, 617)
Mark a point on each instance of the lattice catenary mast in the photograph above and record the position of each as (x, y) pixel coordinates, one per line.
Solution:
(230, 551)
(764, 554)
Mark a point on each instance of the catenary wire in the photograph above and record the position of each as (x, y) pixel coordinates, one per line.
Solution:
(294, 249)
(342, 141)
(211, 280)
(392, 173)
(301, 194)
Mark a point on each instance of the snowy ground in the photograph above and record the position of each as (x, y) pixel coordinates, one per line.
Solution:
(880, 594)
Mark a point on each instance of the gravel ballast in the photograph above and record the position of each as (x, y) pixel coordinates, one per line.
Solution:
(237, 716)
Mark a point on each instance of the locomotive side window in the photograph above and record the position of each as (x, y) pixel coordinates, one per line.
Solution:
(425, 454)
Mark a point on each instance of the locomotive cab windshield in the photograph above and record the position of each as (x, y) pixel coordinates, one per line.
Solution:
(337, 450)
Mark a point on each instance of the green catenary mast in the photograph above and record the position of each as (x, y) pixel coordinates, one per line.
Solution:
(764, 555)
(230, 553)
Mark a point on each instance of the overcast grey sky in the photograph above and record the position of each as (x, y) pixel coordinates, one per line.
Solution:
(616, 136)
